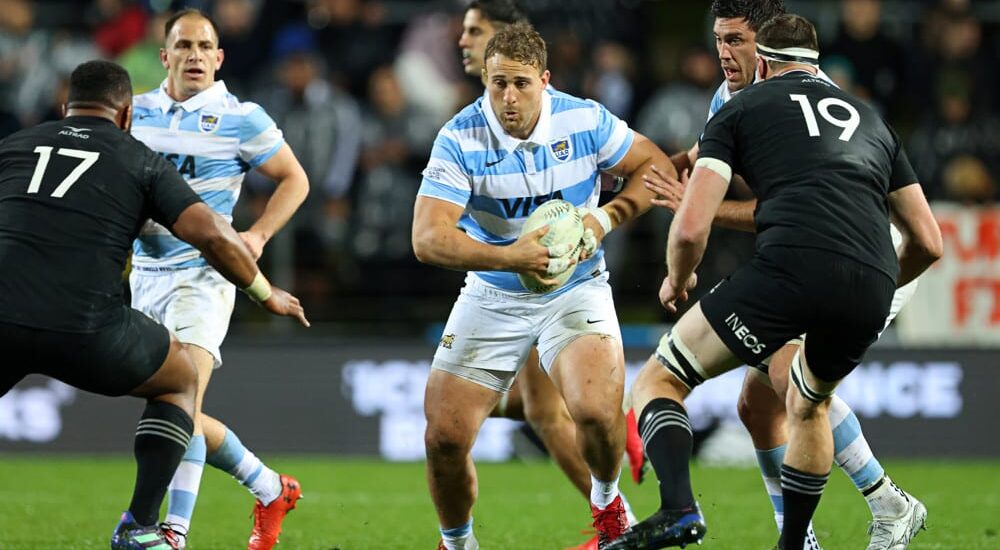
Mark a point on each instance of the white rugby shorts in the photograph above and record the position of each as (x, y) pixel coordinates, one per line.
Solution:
(493, 329)
(194, 303)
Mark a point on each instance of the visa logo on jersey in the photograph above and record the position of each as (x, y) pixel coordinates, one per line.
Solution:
(523, 206)
(185, 164)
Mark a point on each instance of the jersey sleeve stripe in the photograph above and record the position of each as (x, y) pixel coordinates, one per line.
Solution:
(477, 231)
(447, 173)
(616, 147)
(254, 123)
(446, 148)
(430, 188)
(257, 160)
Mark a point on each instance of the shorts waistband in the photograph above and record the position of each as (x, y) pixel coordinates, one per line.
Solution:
(161, 268)
(481, 288)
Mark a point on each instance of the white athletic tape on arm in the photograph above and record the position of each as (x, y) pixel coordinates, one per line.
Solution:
(716, 166)
(602, 218)
(259, 289)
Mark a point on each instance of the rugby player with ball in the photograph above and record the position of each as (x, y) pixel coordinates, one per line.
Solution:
(507, 155)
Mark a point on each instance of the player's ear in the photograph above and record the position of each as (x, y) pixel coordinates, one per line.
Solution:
(124, 118)
(546, 75)
(219, 56)
(163, 58)
(761, 68)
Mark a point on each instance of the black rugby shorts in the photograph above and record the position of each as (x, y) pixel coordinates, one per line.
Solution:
(112, 361)
(840, 304)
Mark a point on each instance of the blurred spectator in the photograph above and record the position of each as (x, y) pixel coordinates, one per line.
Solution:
(59, 97)
(567, 61)
(967, 180)
(674, 116)
(321, 124)
(953, 39)
(396, 138)
(118, 24)
(953, 131)
(142, 60)
(428, 65)
(876, 59)
(353, 37)
(841, 71)
(243, 41)
(32, 60)
(610, 81)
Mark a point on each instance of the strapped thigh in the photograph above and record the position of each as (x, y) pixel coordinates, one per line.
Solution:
(805, 389)
(678, 359)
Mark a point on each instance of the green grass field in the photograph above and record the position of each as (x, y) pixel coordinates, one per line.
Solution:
(50, 503)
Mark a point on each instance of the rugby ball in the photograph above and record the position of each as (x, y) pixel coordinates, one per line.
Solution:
(565, 227)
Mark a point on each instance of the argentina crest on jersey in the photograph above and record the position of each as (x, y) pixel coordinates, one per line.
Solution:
(209, 122)
(562, 148)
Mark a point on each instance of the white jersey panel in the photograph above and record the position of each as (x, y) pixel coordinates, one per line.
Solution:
(214, 139)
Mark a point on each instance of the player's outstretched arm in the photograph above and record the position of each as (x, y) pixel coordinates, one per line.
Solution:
(690, 229)
(438, 241)
(634, 198)
(292, 188)
(684, 160)
(218, 242)
(732, 214)
(922, 244)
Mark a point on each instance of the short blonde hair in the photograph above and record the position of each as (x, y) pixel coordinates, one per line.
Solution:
(520, 42)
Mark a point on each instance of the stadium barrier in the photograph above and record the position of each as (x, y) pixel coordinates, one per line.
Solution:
(362, 399)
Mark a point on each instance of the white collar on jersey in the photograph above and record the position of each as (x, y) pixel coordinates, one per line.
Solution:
(539, 136)
(195, 102)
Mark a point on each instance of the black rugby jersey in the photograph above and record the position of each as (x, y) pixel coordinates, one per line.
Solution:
(73, 195)
(820, 162)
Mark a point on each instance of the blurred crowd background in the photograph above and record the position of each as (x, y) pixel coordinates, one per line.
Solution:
(360, 88)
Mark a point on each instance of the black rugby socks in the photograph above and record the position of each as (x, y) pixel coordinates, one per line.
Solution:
(161, 438)
(800, 491)
(666, 435)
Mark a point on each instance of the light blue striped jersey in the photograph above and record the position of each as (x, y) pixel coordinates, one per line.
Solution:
(722, 95)
(500, 180)
(214, 140)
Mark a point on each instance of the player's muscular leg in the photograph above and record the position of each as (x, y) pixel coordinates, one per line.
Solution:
(214, 431)
(205, 363)
(780, 363)
(512, 404)
(762, 411)
(546, 411)
(455, 409)
(176, 382)
(810, 447)
(708, 350)
(590, 373)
